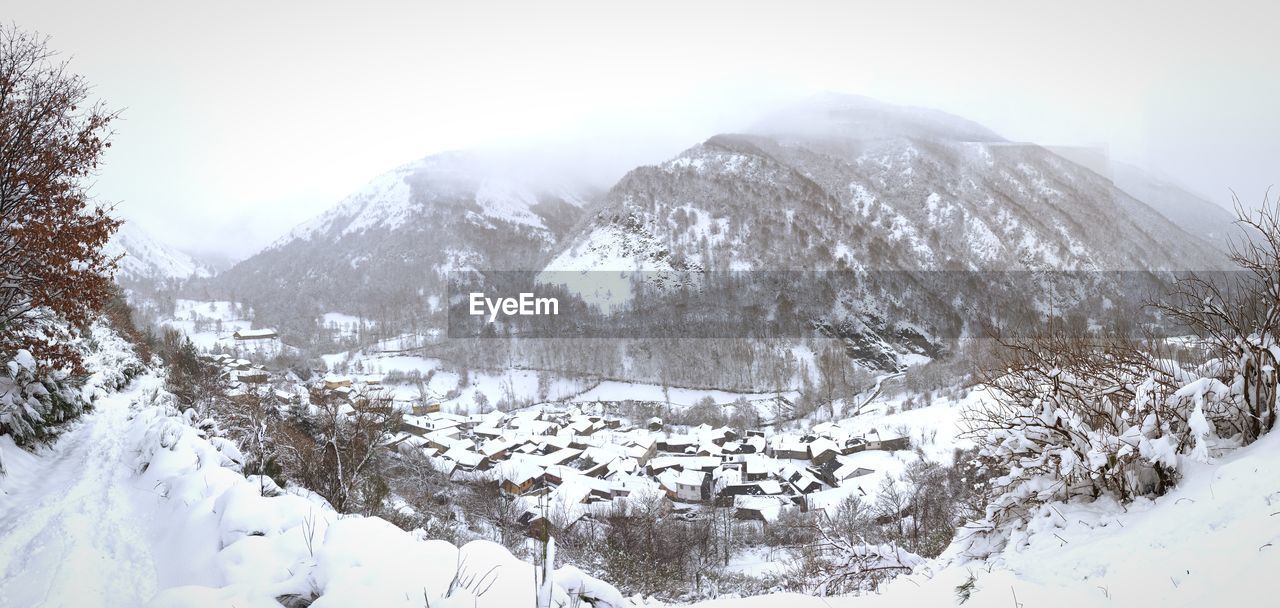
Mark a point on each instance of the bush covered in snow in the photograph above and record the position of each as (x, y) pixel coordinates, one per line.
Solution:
(35, 398)
(1075, 418)
(1080, 416)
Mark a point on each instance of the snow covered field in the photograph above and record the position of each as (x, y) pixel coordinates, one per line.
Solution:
(211, 325)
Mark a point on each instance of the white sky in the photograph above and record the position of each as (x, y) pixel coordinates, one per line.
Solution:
(242, 119)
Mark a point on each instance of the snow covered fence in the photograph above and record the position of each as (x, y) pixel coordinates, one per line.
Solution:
(233, 546)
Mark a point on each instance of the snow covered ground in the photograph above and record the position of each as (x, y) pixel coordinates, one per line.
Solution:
(75, 526)
(133, 506)
(211, 324)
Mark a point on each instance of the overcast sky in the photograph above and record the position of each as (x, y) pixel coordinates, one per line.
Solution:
(242, 119)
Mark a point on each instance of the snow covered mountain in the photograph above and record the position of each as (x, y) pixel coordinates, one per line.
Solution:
(849, 182)
(390, 244)
(1191, 211)
(846, 183)
(834, 183)
(147, 259)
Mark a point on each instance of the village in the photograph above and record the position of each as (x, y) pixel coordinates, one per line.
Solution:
(569, 462)
(561, 462)
(565, 461)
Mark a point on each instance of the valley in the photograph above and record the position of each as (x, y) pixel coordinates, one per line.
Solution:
(662, 305)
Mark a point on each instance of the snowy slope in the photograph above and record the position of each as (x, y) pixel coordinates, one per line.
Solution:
(1212, 541)
(145, 258)
(394, 241)
(135, 507)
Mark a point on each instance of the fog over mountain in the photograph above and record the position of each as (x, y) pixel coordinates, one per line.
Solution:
(145, 258)
(852, 182)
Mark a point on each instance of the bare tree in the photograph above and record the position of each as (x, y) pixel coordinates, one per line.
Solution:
(1239, 314)
(339, 449)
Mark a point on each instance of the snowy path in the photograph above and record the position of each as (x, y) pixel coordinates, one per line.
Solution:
(70, 531)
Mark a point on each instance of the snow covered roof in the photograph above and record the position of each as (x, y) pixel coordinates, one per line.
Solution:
(769, 507)
(464, 456)
(254, 334)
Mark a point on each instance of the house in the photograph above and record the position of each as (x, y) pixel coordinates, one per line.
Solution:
(561, 456)
(409, 427)
(838, 470)
(254, 334)
(254, 376)
(623, 466)
(623, 485)
(531, 426)
(485, 431)
(758, 508)
(444, 440)
(752, 445)
(823, 450)
(422, 409)
(722, 435)
(518, 477)
(642, 449)
(336, 382)
(892, 443)
(556, 474)
(803, 481)
(709, 449)
(584, 427)
(789, 448)
(497, 449)
(678, 444)
(728, 493)
(755, 468)
(468, 460)
(828, 502)
(599, 471)
(535, 525)
(689, 486)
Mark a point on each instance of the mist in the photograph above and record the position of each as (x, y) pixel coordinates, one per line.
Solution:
(241, 120)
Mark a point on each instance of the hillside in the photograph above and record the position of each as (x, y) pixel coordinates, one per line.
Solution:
(1191, 211)
(384, 251)
(848, 182)
(148, 259)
